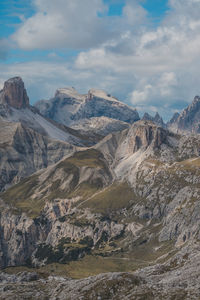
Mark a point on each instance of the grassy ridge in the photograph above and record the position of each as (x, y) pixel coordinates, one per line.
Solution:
(115, 197)
(19, 197)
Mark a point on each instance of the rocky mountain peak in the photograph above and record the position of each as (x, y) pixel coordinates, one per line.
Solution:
(147, 117)
(189, 118)
(145, 133)
(69, 107)
(157, 119)
(14, 93)
(193, 107)
(174, 118)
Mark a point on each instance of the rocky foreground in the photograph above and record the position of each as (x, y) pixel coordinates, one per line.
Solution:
(178, 279)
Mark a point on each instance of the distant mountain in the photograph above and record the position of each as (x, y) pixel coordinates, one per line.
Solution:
(189, 119)
(15, 107)
(99, 125)
(28, 141)
(70, 108)
(14, 94)
(173, 119)
(24, 151)
(157, 119)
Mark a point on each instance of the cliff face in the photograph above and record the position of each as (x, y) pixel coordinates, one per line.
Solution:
(189, 119)
(23, 151)
(72, 109)
(14, 94)
(145, 134)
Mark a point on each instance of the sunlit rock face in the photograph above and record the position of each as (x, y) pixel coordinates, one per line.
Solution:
(69, 107)
(14, 94)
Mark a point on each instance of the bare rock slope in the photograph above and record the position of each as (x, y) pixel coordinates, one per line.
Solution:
(189, 119)
(70, 108)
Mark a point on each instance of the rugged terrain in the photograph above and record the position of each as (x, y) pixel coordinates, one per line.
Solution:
(96, 111)
(117, 219)
(188, 121)
(157, 119)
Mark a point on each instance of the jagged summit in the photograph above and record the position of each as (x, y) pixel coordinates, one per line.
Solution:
(174, 118)
(157, 119)
(147, 116)
(189, 118)
(14, 93)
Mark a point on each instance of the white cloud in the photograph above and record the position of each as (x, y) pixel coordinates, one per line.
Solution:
(63, 23)
(163, 61)
(153, 68)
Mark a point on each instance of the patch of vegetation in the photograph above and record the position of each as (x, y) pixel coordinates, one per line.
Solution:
(114, 198)
(91, 158)
(86, 190)
(87, 266)
(87, 240)
(19, 197)
(65, 251)
(80, 222)
(190, 163)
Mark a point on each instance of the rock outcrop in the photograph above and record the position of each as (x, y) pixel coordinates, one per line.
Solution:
(23, 151)
(189, 119)
(99, 126)
(14, 94)
(157, 119)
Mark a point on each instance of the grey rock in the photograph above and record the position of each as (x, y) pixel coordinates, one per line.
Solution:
(14, 94)
(75, 110)
(189, 119)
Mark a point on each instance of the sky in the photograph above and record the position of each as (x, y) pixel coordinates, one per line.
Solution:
(144, 52)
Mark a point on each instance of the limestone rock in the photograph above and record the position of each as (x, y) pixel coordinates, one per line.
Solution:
(14, 93)
(157, 119)
(189, 119)
(68, 107)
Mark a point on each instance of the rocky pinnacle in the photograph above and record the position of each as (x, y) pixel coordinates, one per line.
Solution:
(14, 94)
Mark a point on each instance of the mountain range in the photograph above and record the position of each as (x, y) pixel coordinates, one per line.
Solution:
(96, 203)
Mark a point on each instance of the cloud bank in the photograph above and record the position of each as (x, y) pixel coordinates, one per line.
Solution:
(153, 67)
